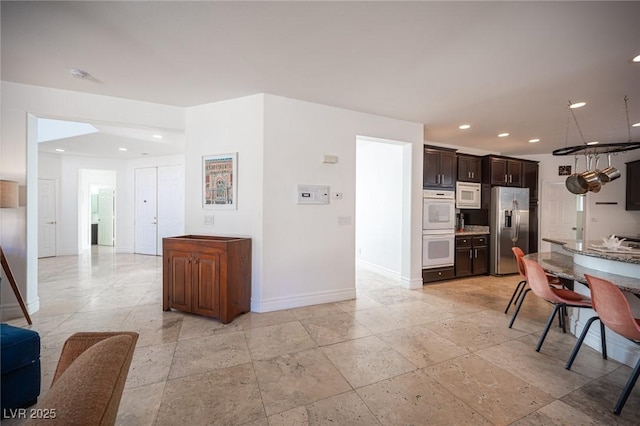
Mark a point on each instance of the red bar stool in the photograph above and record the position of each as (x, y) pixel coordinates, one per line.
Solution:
(614, 311)
(559, 298)
(520, 288)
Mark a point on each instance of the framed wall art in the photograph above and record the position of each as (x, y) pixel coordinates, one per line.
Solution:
(219, 181)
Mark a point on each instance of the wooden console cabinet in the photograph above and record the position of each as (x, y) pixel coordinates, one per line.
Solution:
(207, 275)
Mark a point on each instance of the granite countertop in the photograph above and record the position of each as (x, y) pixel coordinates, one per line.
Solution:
(562, 265)
(572, 246)
(464, 233)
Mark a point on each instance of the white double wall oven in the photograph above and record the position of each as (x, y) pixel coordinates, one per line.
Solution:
(438, 228)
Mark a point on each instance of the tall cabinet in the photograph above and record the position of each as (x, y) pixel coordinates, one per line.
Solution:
(207, 275)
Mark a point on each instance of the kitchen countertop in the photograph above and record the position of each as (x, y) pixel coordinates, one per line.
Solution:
(470, 233)
(586, 250)
(562, 265)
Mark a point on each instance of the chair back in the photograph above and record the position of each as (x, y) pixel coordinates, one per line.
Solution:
(613, 307)
(519, 254)
(537, 279)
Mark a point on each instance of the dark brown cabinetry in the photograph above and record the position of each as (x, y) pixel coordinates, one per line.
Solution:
(438, 274)
(633, 188)
(472, 255)
(439, 168)
(469, 168)
(503, 171)
(530, 178)
(207, 275)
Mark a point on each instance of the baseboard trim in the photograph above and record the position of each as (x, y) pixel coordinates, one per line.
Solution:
(11, 311)
(408, 283)
(278, 304)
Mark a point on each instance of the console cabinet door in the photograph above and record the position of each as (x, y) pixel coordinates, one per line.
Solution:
(431, 168)
(206, 285)
(178, 276)
(469, 169)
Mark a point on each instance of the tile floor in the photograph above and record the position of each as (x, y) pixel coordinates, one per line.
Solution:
(442, 355)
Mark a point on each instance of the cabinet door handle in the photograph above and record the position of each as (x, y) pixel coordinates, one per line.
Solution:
(510, 178)
(476, 253)
(506, 178)
(470, 256)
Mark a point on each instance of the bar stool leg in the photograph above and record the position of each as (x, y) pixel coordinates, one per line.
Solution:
(515, 314)
(519, 289)
(576, 348)
(627, 389)
(556, 308)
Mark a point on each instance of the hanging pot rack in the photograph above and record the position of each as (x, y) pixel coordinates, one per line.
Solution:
(606, 148)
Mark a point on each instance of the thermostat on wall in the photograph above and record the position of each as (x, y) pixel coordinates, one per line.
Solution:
(313, 194)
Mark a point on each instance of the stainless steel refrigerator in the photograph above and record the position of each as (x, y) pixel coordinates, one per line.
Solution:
(509, 227)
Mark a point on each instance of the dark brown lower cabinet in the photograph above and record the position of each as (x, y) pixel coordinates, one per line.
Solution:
(207, 275)
(472, 255)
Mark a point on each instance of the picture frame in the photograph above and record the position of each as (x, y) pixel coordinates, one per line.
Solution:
(219, 181)
(564, 170)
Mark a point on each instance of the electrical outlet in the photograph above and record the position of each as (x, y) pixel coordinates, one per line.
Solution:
(208, 219)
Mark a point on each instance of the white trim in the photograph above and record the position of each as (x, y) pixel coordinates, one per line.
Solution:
(298, 301)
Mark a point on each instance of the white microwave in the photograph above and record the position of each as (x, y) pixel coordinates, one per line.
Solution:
(468, 195)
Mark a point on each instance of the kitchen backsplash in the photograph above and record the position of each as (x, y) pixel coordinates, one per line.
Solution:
(476, 228)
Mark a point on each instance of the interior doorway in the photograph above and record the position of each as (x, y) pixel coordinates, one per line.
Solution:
(383, 207)
(562, 213)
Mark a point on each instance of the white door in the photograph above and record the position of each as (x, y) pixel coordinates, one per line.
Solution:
(46, 218)
(170, 203)
(105, 217)
(146, 219)
(559, 217)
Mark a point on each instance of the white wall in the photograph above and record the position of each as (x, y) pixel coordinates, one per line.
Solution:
(309, 250)
(19, 161)
(221, 128)
(379, 206)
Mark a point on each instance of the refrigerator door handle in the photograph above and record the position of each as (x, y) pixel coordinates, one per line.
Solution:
(516, 231)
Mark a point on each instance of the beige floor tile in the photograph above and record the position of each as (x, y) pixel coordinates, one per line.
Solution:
(367, 360)
(496, 394)
(316, 311)
(538, 368)
(150, 364)
(422, 346)
(416, 399)
(556, 414)
(139, 406)
(295, 417)
(300, 378)
(256, 320)
(598, 397)
(228, 396)
(274, 340)
(101, 320)
(360, 302)
(382, 319)
(393, 295)
(344, 409)
(196, 326)
(476, 331)
(334, 328)
(196, 356)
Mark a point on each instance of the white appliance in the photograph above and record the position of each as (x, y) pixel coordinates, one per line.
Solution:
(438, 229)
(468, 195)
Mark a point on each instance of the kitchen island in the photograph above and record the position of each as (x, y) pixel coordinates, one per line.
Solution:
(572, 260)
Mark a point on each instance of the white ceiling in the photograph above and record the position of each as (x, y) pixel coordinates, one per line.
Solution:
(499, 66)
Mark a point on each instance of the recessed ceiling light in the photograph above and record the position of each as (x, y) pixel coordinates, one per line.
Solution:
(534, 140)
(464, 126)
(635, 125)
(593, 143)
(59, 150)
(123, 149)
(577, 105)
(636, 59)
(157, 136)
(503, 135)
